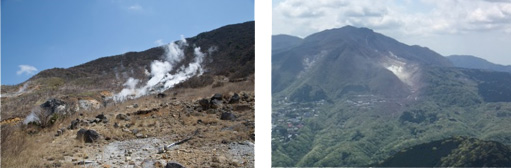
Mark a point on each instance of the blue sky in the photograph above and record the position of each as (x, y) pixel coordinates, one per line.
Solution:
(62, 33)
(477, 27)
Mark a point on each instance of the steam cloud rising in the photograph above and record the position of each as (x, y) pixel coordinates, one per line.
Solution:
(32, 117)
(161, 79)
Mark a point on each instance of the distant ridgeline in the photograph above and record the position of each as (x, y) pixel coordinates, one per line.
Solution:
(350, 96)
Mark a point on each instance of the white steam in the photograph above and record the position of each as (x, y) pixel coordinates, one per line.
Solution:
(404, 70)
(161, 79)
(20, 91)
(32, 117)
(129, 90)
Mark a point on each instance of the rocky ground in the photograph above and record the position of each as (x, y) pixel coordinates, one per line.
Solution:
(153, 131)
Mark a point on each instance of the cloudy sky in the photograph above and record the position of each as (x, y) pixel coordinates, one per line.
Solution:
(471, 27)
(38, 35)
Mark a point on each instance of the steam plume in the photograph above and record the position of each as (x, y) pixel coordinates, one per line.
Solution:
(161, 79)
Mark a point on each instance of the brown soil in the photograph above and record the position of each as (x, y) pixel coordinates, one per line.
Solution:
(177, 116)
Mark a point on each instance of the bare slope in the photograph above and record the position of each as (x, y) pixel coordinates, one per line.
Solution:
(163, 90)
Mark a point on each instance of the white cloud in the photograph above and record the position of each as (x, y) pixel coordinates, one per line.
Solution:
(135, 7)
(159, 42)
(26, 69)
(425, 17)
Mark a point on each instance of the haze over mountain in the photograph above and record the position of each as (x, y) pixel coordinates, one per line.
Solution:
(473, 62)
(353, 97)
(283, 42)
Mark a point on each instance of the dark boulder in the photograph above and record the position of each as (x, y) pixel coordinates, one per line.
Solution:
(91, 136)
(52, 105)
(173, 165)
(161, 95)
(101, 117)
(234, 99)
(88, 136)
(227, 116)
(204, 103)
(74, 124)
(217, 96)
(80, 134)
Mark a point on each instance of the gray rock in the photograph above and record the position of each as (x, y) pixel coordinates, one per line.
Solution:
(54, 106)
(134, 131)
(74, 124)
(161, 95)
(204, 104)
(101, 117)
(80, 134)
(173, 165)
(234, 99)
(217, 96)
(227, 116)
(88, 136)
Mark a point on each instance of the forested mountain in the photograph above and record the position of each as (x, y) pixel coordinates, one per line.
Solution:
(353, 97)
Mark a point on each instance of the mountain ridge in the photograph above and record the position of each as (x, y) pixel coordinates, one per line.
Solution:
(353, 97)
(473, 62)
(350, 49)
(233, 59)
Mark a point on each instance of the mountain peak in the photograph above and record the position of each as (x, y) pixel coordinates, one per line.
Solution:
(337, 33)
(334, 62)
(353, 28)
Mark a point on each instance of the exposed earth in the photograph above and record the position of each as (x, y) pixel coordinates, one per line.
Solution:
(172, 127)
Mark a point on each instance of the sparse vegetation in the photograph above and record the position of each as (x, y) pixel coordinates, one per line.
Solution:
(85, 92)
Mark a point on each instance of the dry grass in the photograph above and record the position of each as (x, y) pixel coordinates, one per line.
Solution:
(43, 149)
(226, 89)
(22, 150)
